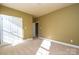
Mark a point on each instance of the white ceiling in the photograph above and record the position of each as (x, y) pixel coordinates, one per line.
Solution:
(37, 9)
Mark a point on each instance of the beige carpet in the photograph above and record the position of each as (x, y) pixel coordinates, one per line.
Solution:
(37, 47)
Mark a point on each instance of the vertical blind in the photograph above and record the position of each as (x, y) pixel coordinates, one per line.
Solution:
(11, 28)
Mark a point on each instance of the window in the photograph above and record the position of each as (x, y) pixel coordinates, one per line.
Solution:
(12, 29)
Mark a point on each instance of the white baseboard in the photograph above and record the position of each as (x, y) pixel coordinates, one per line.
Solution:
(29, 39)
(4, 44)
(63, 43)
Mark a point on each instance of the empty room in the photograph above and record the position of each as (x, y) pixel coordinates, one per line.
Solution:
(39, 29)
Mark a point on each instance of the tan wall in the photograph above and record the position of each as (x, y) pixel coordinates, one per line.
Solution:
(61, 25)
(27, 19)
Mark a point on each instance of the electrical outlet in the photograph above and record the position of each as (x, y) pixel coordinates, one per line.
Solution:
(71, 41)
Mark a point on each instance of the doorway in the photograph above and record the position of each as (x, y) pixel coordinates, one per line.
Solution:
(35, 30)
(36, 27)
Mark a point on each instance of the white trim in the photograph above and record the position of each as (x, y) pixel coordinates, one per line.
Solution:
(5, 44)
(63, 43)
(27, 39)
